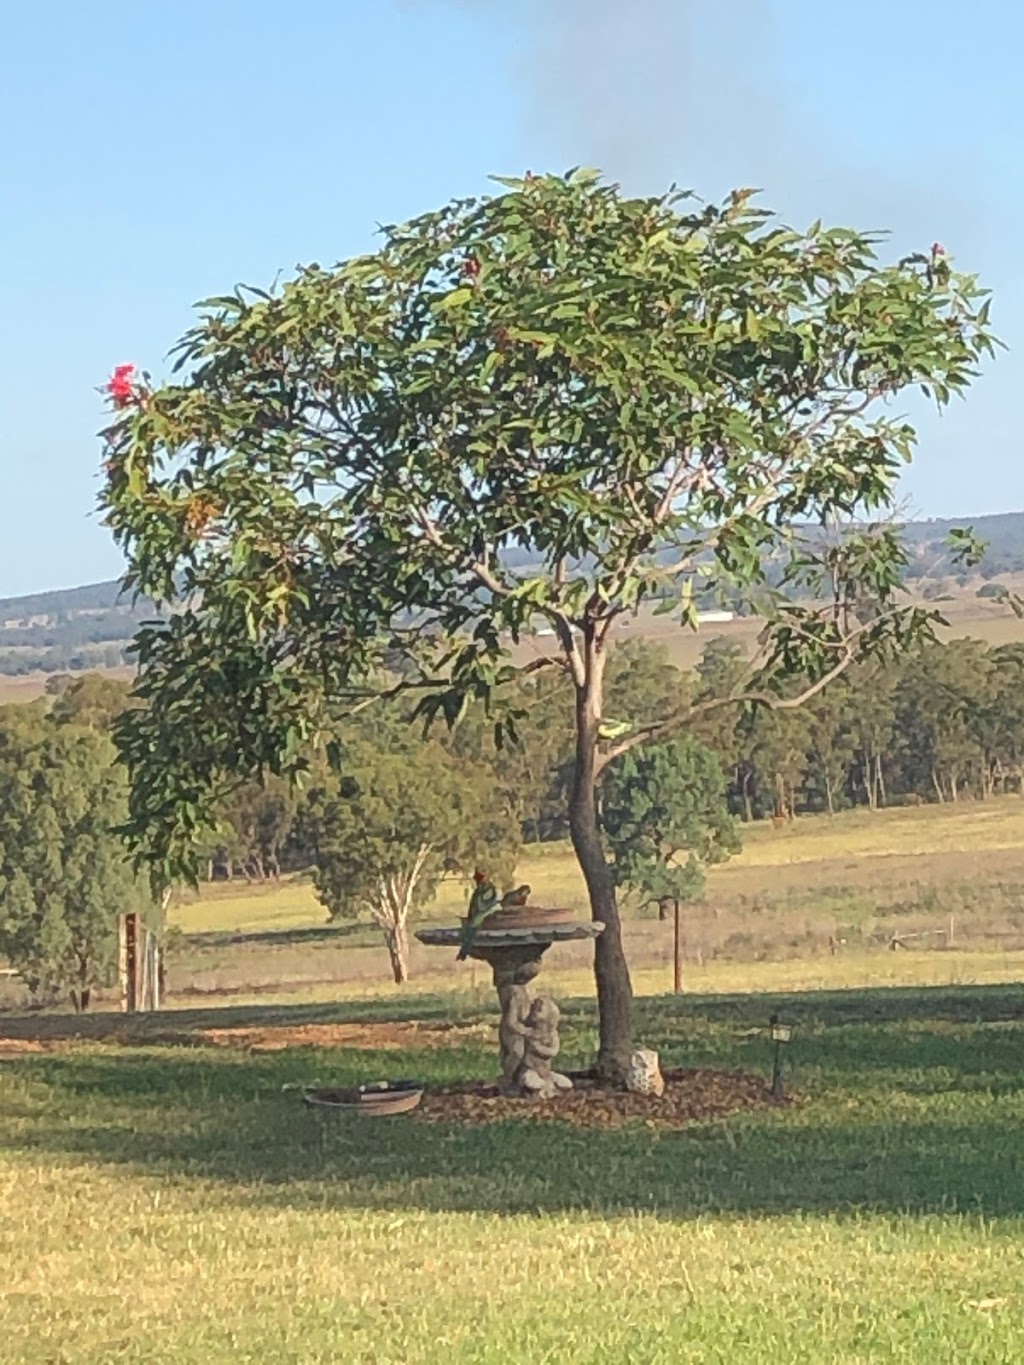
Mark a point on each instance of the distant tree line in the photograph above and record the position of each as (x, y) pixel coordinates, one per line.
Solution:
(942, 724)
(58, 658)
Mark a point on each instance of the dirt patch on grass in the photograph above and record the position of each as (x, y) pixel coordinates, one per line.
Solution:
(691, 1096)
(21, 1047)
(44, 1033)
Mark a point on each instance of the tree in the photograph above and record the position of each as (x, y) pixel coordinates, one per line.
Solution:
(254, 823)
(403, 816)
(773, 747)
(91, 700)
(872, 721)
(551, 405)
(64, 873)
(660, 802)
(830, 741)
(530, 774)
(938, 717)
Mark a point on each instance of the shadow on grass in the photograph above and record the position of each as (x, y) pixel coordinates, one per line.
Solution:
(175, 1024)
(278, 938)
(914, 1101)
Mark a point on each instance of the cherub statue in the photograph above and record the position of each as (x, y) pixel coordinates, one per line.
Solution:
(535, 1075)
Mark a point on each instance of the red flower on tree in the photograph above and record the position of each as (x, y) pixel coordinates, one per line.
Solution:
(120, 385)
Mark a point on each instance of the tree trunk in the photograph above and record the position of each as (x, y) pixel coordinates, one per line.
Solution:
(780, 797)
(82, 995)
(881, 797)
(869, 785)
(748, 807)
(829, 803)
(614, 988)
(397, 940)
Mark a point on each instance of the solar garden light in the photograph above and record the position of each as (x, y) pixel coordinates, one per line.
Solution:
(780, 1033)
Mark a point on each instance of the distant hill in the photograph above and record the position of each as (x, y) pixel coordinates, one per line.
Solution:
(92, 626)
(70, 629)
(94, 596)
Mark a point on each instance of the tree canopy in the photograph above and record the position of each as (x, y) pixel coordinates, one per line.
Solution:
(660, 803)
(404, 814)
(64, 871)
(549, 405)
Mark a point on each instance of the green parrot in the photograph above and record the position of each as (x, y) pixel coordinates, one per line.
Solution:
(613, 729)
(482, 905)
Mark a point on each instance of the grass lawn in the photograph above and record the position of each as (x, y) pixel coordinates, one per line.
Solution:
(812, 850)
(170, 1202)
(765, 923)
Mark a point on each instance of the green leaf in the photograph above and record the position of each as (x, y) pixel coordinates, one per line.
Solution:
(455, 299)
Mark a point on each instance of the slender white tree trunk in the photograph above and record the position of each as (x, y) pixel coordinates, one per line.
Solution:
(395, 896)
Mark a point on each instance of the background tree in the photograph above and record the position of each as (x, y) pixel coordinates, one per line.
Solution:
(531, 773)
(254, 823)
(773, 745)
(872, 721)
(90, 699)
(552, 404)
(830, 743)
(1004, 719)
(662, 802)
(936, 717)
(64, 871)
(402, 817)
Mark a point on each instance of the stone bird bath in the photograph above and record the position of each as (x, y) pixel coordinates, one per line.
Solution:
(512, 943)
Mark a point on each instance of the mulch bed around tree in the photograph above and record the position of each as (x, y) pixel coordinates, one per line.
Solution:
(691, 1096)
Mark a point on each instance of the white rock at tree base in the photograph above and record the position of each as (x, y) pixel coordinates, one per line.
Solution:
(644, 1075)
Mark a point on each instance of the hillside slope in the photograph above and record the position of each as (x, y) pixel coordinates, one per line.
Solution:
(91, 626)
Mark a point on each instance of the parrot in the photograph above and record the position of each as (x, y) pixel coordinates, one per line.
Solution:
(482, 904)
(613, 729)
(519, 896)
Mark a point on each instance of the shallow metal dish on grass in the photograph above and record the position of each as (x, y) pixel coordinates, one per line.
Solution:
(368, 1101)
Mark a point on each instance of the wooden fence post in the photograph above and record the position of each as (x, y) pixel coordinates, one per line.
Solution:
(677, 954)
(122, 960)
(130, 978)
(157, 974)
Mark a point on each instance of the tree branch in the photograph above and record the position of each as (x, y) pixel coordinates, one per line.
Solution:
(479, 568)
(573, 658)
(648, 733)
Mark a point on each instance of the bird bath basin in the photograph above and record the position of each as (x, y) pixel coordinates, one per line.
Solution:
(368, 1101)
(512, 943)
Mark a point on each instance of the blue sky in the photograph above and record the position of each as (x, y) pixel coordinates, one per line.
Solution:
(159, 152)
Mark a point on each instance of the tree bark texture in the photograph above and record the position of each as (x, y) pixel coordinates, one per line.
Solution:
(611, 972)
(397, 941)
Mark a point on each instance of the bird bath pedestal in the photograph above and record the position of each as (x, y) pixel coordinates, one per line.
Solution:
(512, 944)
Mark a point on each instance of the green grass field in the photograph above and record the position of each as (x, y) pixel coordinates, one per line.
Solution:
(765, 924)
(164, 1195)
(176, 1203)
(810, 851)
